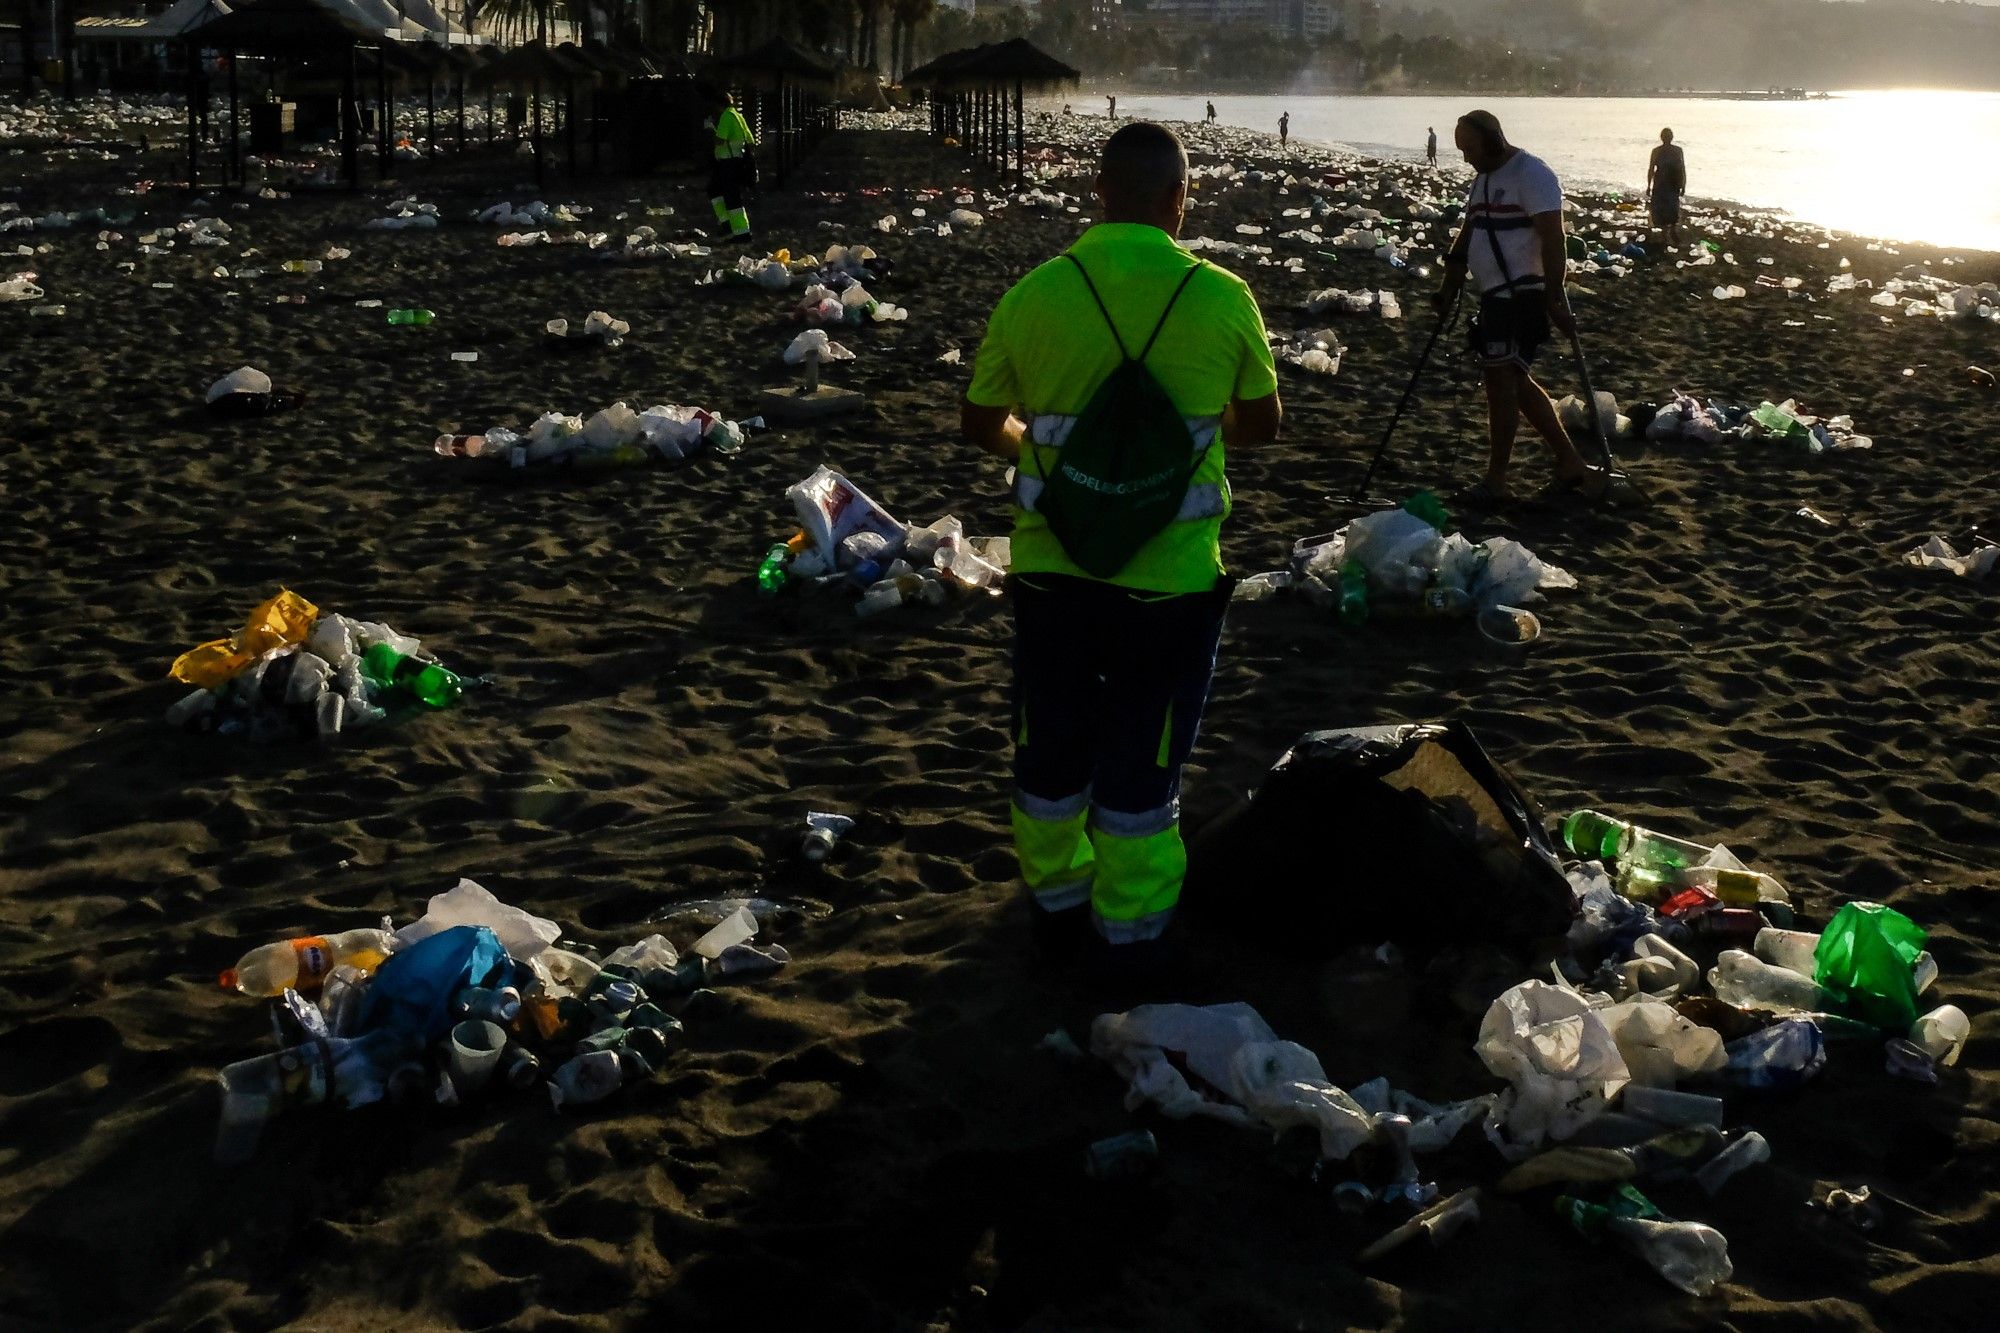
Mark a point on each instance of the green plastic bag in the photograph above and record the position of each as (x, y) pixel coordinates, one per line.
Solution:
(1864, 960)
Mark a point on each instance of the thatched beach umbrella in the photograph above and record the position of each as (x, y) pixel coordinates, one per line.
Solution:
(798, 84)
(1021, 63)
(285, 29)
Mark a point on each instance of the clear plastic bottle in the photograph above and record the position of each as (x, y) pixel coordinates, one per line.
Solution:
(1749, 982)
(1689, 1255)
(1747, 1151)
(1789, 949)
(302, 964)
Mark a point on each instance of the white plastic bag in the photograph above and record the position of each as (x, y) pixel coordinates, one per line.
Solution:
(1559, 1060)
(1399, 550)
(831, 508)
(815, 341)
(521, 934)
(244, 379)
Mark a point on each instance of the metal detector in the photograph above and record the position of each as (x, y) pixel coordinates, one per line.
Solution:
(1445, 321)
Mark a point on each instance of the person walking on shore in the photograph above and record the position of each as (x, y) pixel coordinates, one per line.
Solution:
(1512, 241)
(1284, 129)
(1111, 105)
(729, 178)
(1130, 361)
(1666, 181)
(1211, 114)
(1431, 148)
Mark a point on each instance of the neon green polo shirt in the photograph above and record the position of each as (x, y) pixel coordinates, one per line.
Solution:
(1047, 349)
(732, 133)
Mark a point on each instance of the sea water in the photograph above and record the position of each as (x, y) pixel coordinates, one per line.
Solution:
(1901, 165)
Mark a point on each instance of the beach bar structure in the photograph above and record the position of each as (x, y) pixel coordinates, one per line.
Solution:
(531, 66)
(794, 98)
(977, 97)
(315, 33)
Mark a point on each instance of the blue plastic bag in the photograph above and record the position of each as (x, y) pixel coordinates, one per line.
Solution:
(412, 991)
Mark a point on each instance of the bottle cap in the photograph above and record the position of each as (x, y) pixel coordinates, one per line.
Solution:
(227, 980)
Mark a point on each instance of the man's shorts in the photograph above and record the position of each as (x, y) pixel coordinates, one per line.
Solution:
(1666, 208)
(1509, 330)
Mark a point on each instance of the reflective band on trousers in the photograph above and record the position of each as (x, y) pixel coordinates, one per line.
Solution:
(1203, 499)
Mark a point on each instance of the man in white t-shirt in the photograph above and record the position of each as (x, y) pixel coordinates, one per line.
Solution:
(1512, 240)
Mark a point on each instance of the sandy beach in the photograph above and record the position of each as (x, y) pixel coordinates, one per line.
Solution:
(870, 1138)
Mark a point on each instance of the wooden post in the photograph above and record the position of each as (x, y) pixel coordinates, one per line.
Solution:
(194, 132)
(235, 158)
(385, 112)
(350, 118)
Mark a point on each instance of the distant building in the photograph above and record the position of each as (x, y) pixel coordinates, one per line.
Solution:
(1285, 18)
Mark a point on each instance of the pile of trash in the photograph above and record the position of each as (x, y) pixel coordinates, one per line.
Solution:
(1316, 352)
(1682, 966)
(473, 998)
(846, 539)
(1335, 301)
(1683, 417)
(842, 267)
(292, 671)
(821, 305)
(405, 215)
(1918, 292)
(615, 436)
(1406, 560)
(1977, 562)
(533, 214)
(598, 327)
(644, 243)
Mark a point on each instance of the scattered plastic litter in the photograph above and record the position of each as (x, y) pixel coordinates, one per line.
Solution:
(472, 999)
(294, 671)
(1976, 563)
(615, 436)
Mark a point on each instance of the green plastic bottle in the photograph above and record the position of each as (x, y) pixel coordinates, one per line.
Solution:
(427, 682)
(419, 317)
(1595, 836)
(771, 575)
(1353, 608)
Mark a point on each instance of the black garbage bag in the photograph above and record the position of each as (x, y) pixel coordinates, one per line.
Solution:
(1406, 833)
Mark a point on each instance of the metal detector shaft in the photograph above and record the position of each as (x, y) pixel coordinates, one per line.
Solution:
(1590, 394)
(1445, 319)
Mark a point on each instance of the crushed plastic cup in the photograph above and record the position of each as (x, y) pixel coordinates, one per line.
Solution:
(1509, 626)
(465, 356)
(475, 1054)
(738, 927)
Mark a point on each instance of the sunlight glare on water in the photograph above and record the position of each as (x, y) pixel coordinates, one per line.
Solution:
(1905, 165)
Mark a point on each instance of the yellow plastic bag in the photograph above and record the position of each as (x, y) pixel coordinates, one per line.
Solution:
(284, 619)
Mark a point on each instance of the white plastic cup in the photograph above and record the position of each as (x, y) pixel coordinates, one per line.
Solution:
(1942, 1033)
(475, 1054)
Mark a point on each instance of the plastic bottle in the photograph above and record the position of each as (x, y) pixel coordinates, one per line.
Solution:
(1665, 1106)
(418, 316)
(1748, 982)
(1745, 1152)
(771, 574)
(302, 964)
(1783, 1055)
(880, 597)
(1690, 1256)
(1595, 836)
(427, 682)
(1353, 607)
(1789, 949)
(302, 266)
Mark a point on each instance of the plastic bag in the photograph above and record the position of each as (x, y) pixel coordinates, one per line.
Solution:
(467, 903)
(1560, 1060)
(1865, 959)
(815, 341)
(831, 508)
(655, 951)
(1398, 549)
(412, 990)
(278, 622)
(244, 379)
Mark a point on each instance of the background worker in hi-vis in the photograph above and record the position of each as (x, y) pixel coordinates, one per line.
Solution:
(729, 181)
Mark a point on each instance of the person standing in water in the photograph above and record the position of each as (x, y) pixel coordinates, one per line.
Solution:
(1284, 129)
(1666, 181)
(1111, 104)
(1431, 148)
